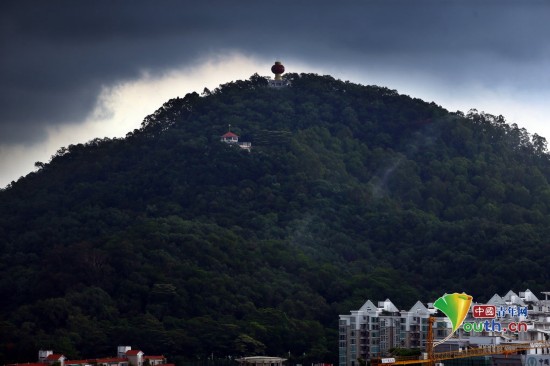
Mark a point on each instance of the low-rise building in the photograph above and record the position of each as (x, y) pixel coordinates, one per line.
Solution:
(233, 139)
(260, 361)
(126, 356)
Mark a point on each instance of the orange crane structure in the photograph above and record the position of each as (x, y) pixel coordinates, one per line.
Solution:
(437, 357)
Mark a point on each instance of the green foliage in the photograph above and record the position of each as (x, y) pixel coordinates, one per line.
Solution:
(174, 242)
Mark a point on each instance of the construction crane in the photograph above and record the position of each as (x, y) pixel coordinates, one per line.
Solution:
(433, 357)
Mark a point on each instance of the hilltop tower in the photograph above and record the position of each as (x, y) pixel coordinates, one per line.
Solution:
(278, 69)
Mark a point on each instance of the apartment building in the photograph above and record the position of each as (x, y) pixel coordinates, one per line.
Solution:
(373, 330)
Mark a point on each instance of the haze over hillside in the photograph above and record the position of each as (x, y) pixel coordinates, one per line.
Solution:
(174, 242)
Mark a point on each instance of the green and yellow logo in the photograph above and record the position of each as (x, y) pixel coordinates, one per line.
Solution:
(455, 307)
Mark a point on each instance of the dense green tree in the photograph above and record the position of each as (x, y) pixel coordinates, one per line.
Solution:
(172, 241)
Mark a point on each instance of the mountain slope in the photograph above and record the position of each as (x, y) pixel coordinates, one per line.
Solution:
(174, 242)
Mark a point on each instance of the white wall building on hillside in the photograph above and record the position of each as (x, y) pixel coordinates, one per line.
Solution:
(233, 139)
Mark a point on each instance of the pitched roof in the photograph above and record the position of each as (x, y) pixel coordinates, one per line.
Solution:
(54, 357)
(387, 305)
(508, 296)
(513, 298)
(496, 300)
(133, 352)
(229, 134)
(528, 295)
(368, 306)
(154, 357)
(419, 307)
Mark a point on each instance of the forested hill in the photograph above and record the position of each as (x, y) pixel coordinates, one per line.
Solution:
(174, 242)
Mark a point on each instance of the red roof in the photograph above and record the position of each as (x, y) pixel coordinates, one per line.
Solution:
(54, 357)
(278, 68)
(229, 134)
(77, 362)
(133, 352)
(154, 357)
(110, 360)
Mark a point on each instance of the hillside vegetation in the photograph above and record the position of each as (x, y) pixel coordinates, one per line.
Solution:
(174, 242)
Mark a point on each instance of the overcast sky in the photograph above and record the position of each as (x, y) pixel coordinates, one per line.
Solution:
(71, 71)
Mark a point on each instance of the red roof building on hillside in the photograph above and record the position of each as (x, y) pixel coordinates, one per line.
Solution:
(231, 138)
(135, 357)
(55, 357)
(125, 356)
(134, 352)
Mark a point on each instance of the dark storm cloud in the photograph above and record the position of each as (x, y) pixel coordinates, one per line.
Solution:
(57, 55)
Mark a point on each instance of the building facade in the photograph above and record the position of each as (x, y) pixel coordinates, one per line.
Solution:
(373, 330)
(232, 139)
(126, 356)
(535, 317)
